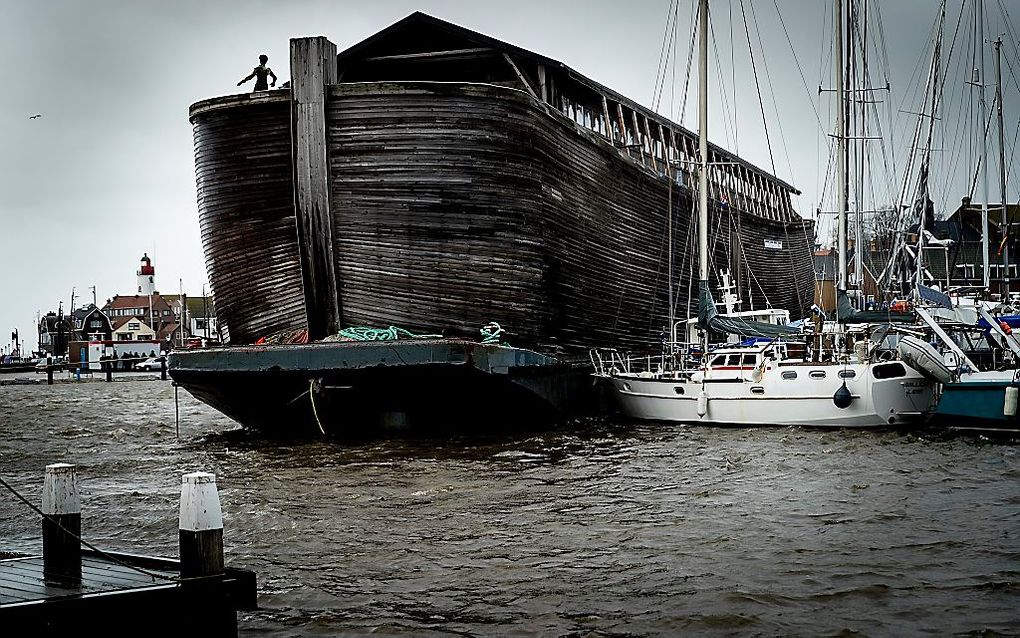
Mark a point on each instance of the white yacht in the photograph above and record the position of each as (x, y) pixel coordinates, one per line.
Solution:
(764, 385)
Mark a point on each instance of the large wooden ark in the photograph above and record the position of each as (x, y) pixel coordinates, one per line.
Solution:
(437, 179)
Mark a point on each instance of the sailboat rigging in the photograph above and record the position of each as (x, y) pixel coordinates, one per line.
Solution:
(831, 377)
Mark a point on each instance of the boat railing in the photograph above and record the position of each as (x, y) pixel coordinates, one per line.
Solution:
(676, 357)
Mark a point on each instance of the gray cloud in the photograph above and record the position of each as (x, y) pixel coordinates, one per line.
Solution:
(107, 171)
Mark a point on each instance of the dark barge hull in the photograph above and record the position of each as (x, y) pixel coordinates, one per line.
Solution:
(371, 388)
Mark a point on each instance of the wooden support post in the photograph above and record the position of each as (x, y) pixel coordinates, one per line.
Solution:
(665, 147)
(675, 153)
(638, 137)
(313, 67)
(49, 371)
(623, 124)
(542, 87)
(755, 197)
(201, 526)
(61, 525)
(608, 120)
(651, 143)
(162, 368)
(109, 370)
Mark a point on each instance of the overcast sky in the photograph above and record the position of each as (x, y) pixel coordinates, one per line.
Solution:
(107, 172)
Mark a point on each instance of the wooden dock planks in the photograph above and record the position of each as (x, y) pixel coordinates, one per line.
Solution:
(113, 597)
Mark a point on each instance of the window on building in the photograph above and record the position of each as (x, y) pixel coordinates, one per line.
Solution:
(123, 336)
(199, 324)
(95, 323)
(134, 325)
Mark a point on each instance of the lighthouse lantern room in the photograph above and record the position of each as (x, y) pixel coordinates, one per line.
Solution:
(146, 277)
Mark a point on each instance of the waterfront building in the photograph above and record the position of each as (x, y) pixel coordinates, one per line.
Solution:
(91, 324)
(54, 332)
(197, 316)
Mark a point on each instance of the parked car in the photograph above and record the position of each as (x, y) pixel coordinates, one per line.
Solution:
(150, 364)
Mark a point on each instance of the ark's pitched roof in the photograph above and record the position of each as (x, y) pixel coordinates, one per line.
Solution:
(419, 35)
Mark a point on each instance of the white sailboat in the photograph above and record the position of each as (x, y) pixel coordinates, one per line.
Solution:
(851, 379)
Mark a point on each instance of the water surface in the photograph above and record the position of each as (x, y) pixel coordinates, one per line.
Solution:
(598, 529)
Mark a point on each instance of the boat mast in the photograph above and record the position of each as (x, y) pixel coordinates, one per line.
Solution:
(671, 318)
(859, 69)
(1004, 227)
(841, 179)
(933, 91)
(703, 152)
(982, 108)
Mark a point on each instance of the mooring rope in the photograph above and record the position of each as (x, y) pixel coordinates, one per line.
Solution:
(367, 333)
(491, 333)
(315, 410)
(84, 542)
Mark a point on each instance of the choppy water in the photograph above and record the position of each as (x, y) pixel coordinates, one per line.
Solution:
(606, 529)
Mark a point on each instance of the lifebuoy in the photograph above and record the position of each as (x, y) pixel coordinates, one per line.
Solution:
(1006, 327)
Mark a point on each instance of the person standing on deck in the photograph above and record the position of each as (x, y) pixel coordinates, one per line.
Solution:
(260, 73)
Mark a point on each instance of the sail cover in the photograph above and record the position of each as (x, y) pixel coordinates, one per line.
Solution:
(710, 319)
(845, 313)
(936, 297)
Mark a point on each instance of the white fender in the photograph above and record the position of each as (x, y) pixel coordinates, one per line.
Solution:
(702, 403)
(1009, 404)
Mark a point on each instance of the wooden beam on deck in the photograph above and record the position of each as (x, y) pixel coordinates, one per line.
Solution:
(432, 56)
(520, 76)
(313, 67)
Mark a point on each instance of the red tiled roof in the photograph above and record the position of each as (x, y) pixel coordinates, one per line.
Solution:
(137, 301)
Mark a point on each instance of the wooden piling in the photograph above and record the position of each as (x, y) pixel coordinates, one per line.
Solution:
(61, 525)
(313, 66)
(49, 371)
(162, 368)
(201, 526)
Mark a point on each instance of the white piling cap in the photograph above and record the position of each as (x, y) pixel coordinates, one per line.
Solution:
(60, 490)
(200, 503)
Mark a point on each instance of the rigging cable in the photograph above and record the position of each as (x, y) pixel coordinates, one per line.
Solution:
(668, 37)
(761, 104)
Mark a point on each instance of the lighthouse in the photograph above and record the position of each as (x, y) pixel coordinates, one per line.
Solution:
(146, 277)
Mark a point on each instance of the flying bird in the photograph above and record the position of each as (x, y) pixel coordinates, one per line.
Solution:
(37, 115)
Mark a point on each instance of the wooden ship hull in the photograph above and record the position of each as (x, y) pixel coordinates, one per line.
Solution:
(437, 180)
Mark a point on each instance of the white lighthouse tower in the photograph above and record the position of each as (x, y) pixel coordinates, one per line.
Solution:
(146, 277)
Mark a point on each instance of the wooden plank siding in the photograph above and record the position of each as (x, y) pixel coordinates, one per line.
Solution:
(496, 186)
(246, 217)
(458, 204)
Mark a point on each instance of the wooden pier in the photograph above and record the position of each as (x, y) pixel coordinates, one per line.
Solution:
(120, 594)
(67, 590)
